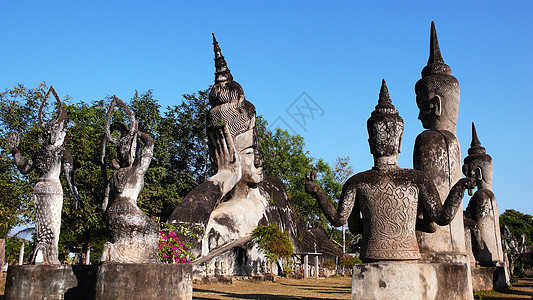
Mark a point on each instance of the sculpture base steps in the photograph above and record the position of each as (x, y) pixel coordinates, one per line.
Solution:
(406, 281)
(102, 282)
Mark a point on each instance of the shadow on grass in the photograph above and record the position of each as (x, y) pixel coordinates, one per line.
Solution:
(251, 296)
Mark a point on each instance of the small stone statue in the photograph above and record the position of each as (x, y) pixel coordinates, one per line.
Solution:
(47, 161)
(437, 149)
(135, 237)
(482, 207)
(387, 196)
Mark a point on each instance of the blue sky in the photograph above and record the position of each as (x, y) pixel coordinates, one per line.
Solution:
(336, 52)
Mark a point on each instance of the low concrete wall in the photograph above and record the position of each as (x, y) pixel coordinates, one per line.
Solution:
(50, 282)
(488, 278)
(144, 281)
(104, 281)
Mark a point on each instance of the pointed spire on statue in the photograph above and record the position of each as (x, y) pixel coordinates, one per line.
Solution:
(434, 49)
(222, 72)
(475, 145)
(384, 102)
(435, 63)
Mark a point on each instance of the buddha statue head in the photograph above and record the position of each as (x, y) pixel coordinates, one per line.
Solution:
(437, 92)
(230, 108)
(478, 164)
(385, 128)
(54, 131)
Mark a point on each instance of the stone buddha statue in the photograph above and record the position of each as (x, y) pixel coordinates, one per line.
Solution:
(48, 161)
(437, 150)
(482, 207)
(251, 198)
(387, 196)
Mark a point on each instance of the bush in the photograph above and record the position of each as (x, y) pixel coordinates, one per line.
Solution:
(349, 261)
(329, 264)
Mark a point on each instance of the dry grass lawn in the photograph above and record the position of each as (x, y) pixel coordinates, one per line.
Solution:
(282, 288)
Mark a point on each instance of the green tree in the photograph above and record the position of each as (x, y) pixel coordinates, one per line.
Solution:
(518, 223)
(18, 112)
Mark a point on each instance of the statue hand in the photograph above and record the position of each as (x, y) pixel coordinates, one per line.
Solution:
(311, 188)
(13, 141)
(224, 150)
(310, 175)
(468, 183)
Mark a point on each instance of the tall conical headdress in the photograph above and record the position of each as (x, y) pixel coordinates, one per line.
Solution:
(385, 105)
(435, 63)
(475, 145)
(224, 90)
(222, 72)
(385, 126)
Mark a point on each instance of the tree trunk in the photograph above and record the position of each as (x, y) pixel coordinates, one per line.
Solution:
(2, 253)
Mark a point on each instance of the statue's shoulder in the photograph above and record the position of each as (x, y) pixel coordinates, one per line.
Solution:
(362, 177)
(483, 194)
(275, 189)
(436, 139)
(430, 137)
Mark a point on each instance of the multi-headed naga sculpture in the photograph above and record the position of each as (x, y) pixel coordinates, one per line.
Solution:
(47, 161)
(387, 196)
(134, 235)
(437, 149)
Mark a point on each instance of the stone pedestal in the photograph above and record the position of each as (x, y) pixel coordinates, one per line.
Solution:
(50, 282)
(144, 281)
(404, 281)
(489, 278)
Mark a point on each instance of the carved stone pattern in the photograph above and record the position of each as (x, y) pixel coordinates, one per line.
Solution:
(48, 200)
(45, 158)
(120, 178)
(391, 217)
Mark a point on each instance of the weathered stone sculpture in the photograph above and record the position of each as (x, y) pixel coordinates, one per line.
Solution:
(135, 236)
(437, 149)
(482, 207)
(48, 161)
(387, 196)
(253, 198)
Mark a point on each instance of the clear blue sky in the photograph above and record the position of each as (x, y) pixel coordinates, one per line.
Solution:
(336, 52)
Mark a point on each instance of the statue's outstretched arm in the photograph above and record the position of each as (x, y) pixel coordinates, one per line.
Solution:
(106, 196)
(346, 203)
(197, 206)
(146, 154)
(443, 214)
(68, 168)
(24, 167)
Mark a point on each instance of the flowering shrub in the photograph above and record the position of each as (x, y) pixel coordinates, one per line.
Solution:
(526, 258)
(171, 249)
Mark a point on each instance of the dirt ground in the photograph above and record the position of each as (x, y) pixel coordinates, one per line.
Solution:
(330, 288)
(520, 289)
(282, 288)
